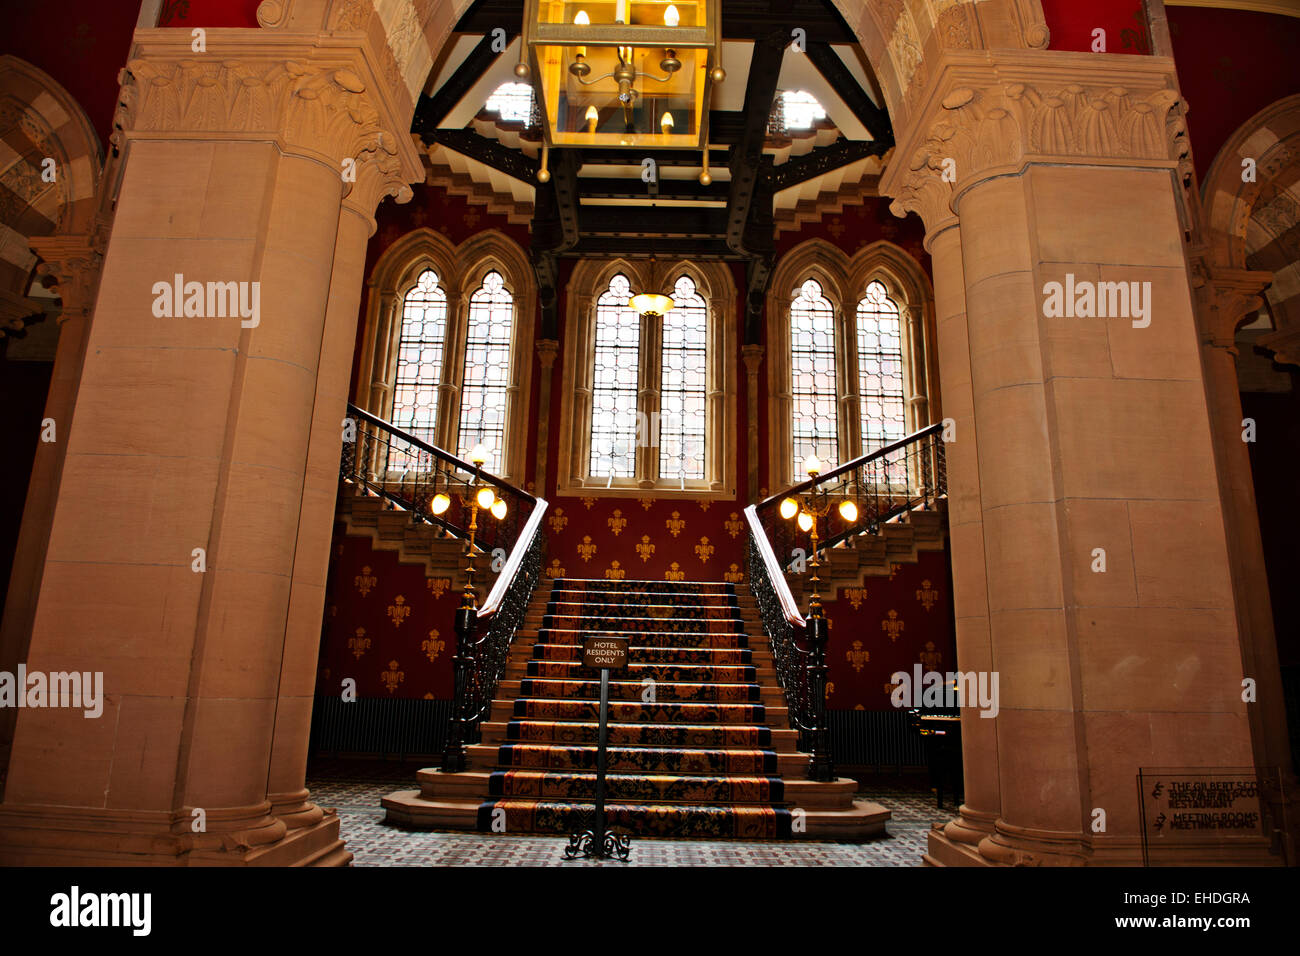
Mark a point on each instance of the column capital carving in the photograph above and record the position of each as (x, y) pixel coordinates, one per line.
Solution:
(753, 355)
(314, 96)
(547, 349)
(73, 265)
(987, 115)
(1225, 298)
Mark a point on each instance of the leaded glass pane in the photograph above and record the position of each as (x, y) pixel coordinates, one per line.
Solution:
(487, 371)
(812, 378)
(419, 363)
(683, 393)
(614, 385)
(880, 372)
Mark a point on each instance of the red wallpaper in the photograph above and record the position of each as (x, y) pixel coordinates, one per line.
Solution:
(386, 625)
(1072, 23)
(889, 625)
(208, 13)
(1231, 64)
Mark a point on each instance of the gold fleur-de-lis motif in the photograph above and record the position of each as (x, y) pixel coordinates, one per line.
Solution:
(704, 550)
(857, 657)
(586, 549)
(893, 570)
(855, 596)
(645, 548)
(733, 524)
(433, 645)
(437, 586)
(614, 572)
(830, 688)
(645, 503)
(365, 581)
(926, 594)
(556, 570)
(930, 658)
(893, 626)
(392, 677)
(735, 575)
(358, 644)
(675, 524)
(429, 695)
(588, 502)
(399, 611)
(674, 573)
(617, 522)
(704, 504)
(558, 520)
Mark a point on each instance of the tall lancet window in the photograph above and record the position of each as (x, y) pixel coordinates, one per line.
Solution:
(420, 357)
(614, 383)
(683, 391)
(487, 370)
(814, 418)
(880, 368)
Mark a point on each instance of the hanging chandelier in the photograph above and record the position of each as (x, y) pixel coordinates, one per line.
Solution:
(623, 72)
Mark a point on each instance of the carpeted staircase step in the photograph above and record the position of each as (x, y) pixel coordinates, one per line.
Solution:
(687, 673)
(619, 599)
(675, 820)
(534, 708)
(590, 585)
(652, 655)
(708, 762)
(636, 787)
(632, 690)
(735, 639)
(667, 611)
(708, 736)
(660, 625)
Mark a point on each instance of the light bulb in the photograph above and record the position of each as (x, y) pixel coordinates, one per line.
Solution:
(667, 123)
(582, 19)
(671, 16)
(812, 465)
(478, 454)
(706, 178)
(848, 511)
(805, 521)
(485, 497)
(789, 508)
(498, 509)
(440, 503)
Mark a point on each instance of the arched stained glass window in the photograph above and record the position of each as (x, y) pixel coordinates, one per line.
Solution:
(815, 422)
(880, 368)
(614, 383)
(487, 370)
(683, 390)
(420, 357)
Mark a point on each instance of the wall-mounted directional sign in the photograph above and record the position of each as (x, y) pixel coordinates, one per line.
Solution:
(605, 652)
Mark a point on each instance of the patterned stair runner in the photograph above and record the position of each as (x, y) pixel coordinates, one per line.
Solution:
(690, 750)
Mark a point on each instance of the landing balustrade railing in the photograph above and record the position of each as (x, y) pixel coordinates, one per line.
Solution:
(437, 488)
(792, 531)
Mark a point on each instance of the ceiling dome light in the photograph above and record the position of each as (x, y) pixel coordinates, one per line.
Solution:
(651, 303)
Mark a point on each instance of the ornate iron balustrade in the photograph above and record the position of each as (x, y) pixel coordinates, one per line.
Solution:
(903, 476)
(410, 474)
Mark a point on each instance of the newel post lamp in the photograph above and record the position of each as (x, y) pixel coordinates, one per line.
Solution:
(806, 510)
(465, 704)
(623, 72)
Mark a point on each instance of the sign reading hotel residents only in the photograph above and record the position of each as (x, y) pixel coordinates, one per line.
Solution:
(604, 652)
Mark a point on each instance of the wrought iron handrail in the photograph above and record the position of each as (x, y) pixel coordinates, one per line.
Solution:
(901, 476)
(391, 463)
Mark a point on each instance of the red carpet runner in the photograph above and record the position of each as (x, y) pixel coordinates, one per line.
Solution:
(690, 753)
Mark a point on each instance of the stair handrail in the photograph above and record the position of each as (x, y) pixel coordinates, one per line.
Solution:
(884, 484)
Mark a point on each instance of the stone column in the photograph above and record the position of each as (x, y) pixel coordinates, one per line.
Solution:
(74, 265)
(190, 534)
(1092, 440)
(547, 349)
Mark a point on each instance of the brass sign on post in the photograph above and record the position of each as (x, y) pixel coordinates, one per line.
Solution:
(606, 654)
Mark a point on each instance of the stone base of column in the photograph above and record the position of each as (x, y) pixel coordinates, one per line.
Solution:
(80, 836)
(949, 845)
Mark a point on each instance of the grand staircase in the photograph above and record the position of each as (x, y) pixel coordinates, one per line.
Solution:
(699, 742)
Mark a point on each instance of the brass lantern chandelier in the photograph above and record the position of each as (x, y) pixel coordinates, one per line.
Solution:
(617, 73)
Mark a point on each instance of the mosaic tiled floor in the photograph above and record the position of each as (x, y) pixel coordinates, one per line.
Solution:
(354, 789)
